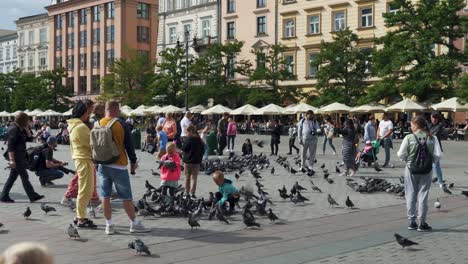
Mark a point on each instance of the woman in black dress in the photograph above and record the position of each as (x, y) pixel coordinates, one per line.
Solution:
(275, 137)
(349, 148)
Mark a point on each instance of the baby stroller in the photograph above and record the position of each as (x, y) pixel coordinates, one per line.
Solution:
(368, 155)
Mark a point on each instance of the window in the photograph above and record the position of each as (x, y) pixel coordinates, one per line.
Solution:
(110, 10)
(8, 53)
(143, 34)
(366, 14)
(95, 84)
(110, 31)
(1, 54)
(96, 13)
(393, 8)
(231, 6)
(171, 5)
(96, 59)
(30, 60)
(58, 62)
(58, 21)
(261, 25)
(96, 36)
(261, 58)
(186, 3)
(231, 67)
(71, 40)
(289, 1)
(83, 16)
(82, 83)
(231, 30)
(110, 56)
(172, 35)
(289, 28)
(187, 28)
(289, 62)
(339, 20)
(70, 83)
(42, 58)
(261, 3)
(14, 52)
(70, 62)
(21, 61)
(206, 28)
(312, 68)
(58, 42)
(21, 39)
(71, 19)
(83, 59)
(143, 10)
(83, 38)
(43, 35)
(31, 37)
(314, 24)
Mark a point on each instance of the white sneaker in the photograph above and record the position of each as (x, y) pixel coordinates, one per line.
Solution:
(110, 229)
(138, 228)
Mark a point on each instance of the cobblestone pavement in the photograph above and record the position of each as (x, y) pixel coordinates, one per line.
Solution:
(363, 235)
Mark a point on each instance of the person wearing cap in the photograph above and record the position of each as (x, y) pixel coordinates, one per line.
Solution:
(48, 168)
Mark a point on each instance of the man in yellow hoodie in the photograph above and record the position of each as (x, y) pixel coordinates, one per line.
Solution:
(81, 153)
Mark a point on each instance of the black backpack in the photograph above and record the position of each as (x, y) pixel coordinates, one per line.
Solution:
(35, 157)
(422, 160)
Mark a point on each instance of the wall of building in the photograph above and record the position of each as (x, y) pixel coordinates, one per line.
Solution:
(8, 53)
(33, 43)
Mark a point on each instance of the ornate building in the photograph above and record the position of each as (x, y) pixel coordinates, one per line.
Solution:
(8, 51)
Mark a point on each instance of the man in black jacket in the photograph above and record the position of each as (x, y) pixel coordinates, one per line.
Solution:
(193, 149)
(436, 127)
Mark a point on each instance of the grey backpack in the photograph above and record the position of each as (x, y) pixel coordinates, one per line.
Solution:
(105, 150)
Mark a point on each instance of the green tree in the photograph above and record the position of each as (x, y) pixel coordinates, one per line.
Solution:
(271, 69)
(463, 88)
(408, 63)
(131, 80)
(342, 69)
(55, 94)
(7, 84)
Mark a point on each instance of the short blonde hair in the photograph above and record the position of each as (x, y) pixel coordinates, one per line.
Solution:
(218, 175)
(170, 146)
(27, 253)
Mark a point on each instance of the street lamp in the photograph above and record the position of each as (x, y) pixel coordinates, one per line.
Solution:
(186, 77)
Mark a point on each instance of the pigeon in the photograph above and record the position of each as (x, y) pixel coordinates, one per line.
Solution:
(437, 204)
(193, 222)
(293, 171)
(272, 170)
(325, 175)
(149, 186)
(92, 212)
(402, 179)
(323, 166)
(331, 201)
(249, 221)
(272, 215)
(404, 242)
(283, 195)
(451, 185)
(446, 191)
(315, 188)
(154, 173)
(47, 208)
(299, 187)
(349, 203)
(220, 216)
(72, 232)
(330, 181)
(237, 176)
(139, 247)
(259, 143)
(337, 169)
(376, 168)
(434, 179)
(1, 225)
(298, 198)
(27, 213)
(465, 193)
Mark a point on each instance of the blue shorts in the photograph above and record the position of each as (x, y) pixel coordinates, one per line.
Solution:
(121, 180)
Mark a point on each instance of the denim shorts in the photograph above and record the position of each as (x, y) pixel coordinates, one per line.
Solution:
(121, 180)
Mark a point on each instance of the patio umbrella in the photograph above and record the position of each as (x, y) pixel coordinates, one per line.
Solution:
(139, 111)
(216, 110)
(270, 109)
(125, 109)
(171, 109)
(4, 114)
(197, 109)
(35, 112)
(50, 113)
(68, 113)
(335, 108)
(244, 110)
(15, 113)
(451, 105)
(300, 108)
(405, 106)
(152, 110)
(27, 111)
(369, 108)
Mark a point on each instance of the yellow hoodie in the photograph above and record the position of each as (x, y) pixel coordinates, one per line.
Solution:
(79, 139)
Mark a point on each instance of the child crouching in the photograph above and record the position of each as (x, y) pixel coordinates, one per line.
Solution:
(226, 192)
(170, 170)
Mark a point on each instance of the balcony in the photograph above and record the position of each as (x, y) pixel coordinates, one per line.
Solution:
(42, 68)
(204, 42)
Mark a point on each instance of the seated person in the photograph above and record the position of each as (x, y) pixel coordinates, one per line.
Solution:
(226, 191)
(48, 168)
(247, 148)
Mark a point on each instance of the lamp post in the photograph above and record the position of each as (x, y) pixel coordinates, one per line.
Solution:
(186, 75)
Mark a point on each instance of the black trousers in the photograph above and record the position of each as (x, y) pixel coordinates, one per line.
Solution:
(222, 142)
(292, 145)
(231, 200)
(274, 145)
(23, 173)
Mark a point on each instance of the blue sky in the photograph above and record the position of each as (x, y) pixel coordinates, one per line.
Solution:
(11, 10)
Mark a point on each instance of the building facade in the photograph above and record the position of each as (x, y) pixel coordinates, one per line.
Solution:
(33, 43)
(254, 23)
(8, 51)
(198, 17)
(88, 35)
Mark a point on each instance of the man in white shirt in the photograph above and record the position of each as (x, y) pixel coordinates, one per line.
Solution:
(184, 124)
(307, 133)
(161, 120)
(384, 134)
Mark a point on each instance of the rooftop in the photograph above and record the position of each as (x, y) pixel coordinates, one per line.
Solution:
(4, 32)
(31, 18)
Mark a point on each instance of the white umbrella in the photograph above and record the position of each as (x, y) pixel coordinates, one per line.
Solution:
(140, 111)
(171, 109)
(216, 110)
(152, 110)
(50, 113)
(4, 114)
(244, 110)
(197, 109)
(335, 108)
(27, 111)
(125, 109)
(270, 109)
(15, 113)
(35, 112)
(405, 106)
(369, 108)
(300, 108)
(68, 113)
(452, 105)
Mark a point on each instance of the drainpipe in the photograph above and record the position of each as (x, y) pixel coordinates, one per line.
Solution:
(276, 21)
(218, 26)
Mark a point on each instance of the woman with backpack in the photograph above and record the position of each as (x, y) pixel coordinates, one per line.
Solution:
(419, 150)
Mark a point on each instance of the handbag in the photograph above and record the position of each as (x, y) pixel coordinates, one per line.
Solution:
(330, 135)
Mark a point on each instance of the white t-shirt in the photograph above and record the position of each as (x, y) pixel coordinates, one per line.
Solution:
(184, 123)
(384, 127)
